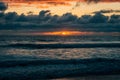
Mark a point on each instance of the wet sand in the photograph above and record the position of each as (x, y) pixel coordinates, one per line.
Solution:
(100, 77)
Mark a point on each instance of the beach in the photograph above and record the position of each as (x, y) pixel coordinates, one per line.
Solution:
(100, 77)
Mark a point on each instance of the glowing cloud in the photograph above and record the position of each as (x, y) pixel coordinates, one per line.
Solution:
(65, 5)
(56, 2)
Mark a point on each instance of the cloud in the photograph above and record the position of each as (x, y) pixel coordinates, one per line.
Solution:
(93, 1)
(3, 6)
(102, 1)
(67, 17)
(60, 0)
(55, 2)
(39, 3)
(47, 22)
(99, 18)
(10, 15)
(107, 11)
(46, 17)
(114, 19)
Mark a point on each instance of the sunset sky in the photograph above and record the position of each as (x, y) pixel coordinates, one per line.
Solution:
(59, 7)
(59, 16)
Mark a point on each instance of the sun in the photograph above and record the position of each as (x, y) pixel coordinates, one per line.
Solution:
(62, 33)
(65, 33)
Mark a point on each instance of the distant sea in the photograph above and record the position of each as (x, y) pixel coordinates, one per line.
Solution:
(59, 57)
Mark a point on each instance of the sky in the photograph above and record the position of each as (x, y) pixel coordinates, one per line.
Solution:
(59, 7)
(59, 17)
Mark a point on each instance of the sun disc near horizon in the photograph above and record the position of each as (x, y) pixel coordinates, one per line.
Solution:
(65, 33)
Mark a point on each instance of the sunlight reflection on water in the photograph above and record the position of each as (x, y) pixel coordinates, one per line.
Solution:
(75, 53)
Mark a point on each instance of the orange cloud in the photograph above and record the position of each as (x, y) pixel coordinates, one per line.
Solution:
(48, 3)
(38, 3)
(59, 0)
(56, 2)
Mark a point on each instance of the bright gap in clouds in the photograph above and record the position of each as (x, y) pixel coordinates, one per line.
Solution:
(60, 7)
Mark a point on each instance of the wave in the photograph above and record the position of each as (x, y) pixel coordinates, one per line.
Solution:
(34, 62)
(47, 69)
(60, 45)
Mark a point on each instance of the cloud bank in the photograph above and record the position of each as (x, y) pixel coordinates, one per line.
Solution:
(47, 22)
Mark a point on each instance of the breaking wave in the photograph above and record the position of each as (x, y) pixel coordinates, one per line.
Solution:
(48, 69)
(62, 45)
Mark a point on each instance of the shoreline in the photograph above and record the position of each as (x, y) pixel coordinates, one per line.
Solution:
(92, 77)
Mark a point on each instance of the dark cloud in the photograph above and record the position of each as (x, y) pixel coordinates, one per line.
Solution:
(98, 18)
(93, 1)
(67, 18)
(96, 1)
(47, 22)
(22, 18)
(43, 13)
(11, 16)
(84, 19)
(114, 19)
(107, 11)
(3, 6)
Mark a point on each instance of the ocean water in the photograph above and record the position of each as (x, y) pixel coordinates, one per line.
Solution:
(47, 57)
(59, 47)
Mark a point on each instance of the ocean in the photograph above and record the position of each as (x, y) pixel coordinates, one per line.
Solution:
(30, 57)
